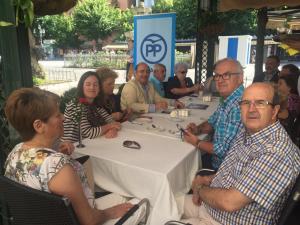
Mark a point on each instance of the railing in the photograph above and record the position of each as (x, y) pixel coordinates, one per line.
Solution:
(60, 74)
(113, 61)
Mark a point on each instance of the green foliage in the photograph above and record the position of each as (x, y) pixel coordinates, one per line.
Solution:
(24, 13)
(67, 97)
(61, 28)
(239, 22)
(235, 22)
(97, 19)
(37, 81)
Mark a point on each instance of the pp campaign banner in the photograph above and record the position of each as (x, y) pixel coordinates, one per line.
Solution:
(154, 40)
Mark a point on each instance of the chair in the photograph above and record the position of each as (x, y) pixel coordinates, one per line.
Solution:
(290, 213)
(24, 205)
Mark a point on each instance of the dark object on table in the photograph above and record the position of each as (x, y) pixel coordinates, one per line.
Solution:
(131, 144)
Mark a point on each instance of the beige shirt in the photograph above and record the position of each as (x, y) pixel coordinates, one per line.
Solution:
(133, 96)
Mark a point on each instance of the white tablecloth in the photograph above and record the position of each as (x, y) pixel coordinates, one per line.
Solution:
(162, 170)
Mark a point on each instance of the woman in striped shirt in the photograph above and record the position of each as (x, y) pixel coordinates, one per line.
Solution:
(93, 119)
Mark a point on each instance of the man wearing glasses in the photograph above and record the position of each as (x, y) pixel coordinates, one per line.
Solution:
(225, 123)
(140, 95)
(158, 77)
(258, 173)
(180, 85)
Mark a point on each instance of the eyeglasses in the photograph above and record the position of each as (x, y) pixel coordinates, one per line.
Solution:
(259, 104)
(131, 144)
(225, 76)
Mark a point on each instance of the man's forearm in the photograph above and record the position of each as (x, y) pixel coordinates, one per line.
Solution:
(229, 200)
(206, 146)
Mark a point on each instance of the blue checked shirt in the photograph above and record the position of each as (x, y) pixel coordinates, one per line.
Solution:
(226, 122)
(263, 166)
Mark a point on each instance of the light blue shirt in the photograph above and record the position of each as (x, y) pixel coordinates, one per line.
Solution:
(158, 85)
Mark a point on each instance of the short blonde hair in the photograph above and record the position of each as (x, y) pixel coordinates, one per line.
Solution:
(105, 73)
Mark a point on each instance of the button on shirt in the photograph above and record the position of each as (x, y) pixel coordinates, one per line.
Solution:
(226, 122)
(158, 85)
(264, 167)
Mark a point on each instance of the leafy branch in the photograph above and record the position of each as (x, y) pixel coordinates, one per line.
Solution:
(24, 13)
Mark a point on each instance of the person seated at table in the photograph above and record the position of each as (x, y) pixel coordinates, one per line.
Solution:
(92, 118)
(140, 95)
(35, 114)
(258, 173)
(290, 110)
(272, 72)
(289, 69)
(109, 101)
(158, 77)
(225, 122)
(180, 85)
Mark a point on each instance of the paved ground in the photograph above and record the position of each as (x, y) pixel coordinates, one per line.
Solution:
(55, 69)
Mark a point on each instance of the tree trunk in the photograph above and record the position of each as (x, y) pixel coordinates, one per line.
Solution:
(262, 18)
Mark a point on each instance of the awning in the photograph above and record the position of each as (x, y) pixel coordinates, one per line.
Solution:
(226, 5)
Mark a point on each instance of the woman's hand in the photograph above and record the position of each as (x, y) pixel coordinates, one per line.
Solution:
(117, 116)
(114, 125)
(66, 147)
(118, 210)
(112, 133)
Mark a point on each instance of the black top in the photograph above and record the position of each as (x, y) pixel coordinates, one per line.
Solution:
(174, 82)
(112, 104)
(261, 77)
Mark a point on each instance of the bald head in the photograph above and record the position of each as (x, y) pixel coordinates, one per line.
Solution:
(259, 107)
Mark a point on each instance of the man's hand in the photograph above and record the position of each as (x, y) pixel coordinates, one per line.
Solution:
(178, 104)
(191, 138)
(161, 105)
(192, 127)
(66, 147)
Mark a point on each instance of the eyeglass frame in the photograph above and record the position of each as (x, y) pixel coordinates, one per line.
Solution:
(227, 74)
(131, 144)
(248, 103)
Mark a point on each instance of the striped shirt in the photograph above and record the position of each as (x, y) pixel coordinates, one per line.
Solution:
(226, 122)
(264, 167)
(71, 132)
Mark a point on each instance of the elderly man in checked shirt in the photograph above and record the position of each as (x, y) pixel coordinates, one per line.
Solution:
(225, 123)
(258, 173)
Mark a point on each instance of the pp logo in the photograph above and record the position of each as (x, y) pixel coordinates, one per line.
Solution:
(153, 48)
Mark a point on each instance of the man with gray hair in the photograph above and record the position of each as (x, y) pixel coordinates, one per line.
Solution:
(225, 123)
(258, 173)
(157, 78)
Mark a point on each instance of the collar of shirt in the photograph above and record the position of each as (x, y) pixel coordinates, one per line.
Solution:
(237, 93)
(261, 135)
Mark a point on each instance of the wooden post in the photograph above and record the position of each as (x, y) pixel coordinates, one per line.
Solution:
(262, 18)
(15, 50)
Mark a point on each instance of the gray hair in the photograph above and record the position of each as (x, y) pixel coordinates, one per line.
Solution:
(156, 66)
(237, 64)
(181, 64)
